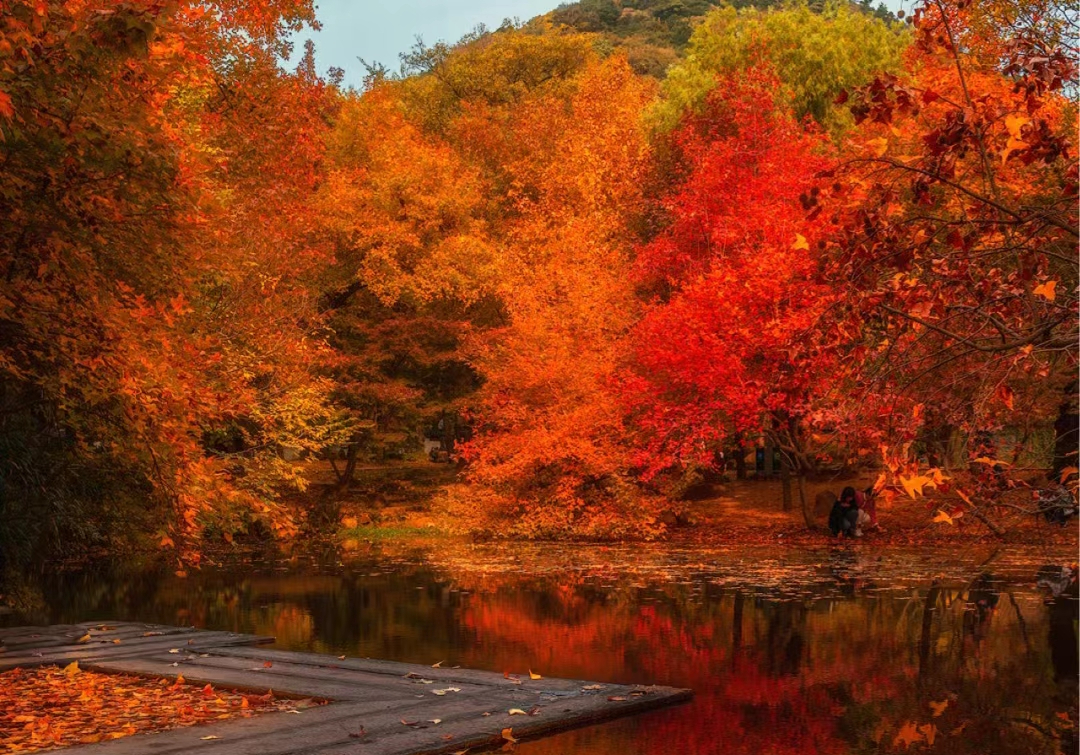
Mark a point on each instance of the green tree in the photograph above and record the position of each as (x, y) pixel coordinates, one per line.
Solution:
(816, 55)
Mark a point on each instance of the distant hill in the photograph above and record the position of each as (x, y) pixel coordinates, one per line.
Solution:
(654, 33)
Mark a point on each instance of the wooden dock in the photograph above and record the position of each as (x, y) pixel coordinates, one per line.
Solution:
(395, 705)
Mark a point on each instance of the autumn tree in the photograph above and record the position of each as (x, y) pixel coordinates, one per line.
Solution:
(958, 242)
(732, 277)
(550, 454)
(138, 310)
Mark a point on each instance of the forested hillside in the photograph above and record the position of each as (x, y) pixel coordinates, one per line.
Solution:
(593, 256)
(655, 33)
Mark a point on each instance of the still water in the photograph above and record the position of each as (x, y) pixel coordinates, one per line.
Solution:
(842, 650)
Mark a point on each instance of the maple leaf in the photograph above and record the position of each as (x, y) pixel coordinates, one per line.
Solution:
(1046, 290)
(914, 485)
(938, 708)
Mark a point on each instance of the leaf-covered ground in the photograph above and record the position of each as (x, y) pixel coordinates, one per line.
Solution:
(49, 707)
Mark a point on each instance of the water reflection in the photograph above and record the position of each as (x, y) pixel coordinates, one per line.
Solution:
(837, 651)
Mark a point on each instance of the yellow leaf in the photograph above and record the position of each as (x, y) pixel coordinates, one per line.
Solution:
(72, 668)
(84, 639)
(1015, 125)
(1013, 145)
(516, 712)
(437, 665)
(1068, 472)
(534, 676)
(914, 485)
(1047, 290)
(508, 734)
(879, 483)
(963, 496)
(939, 708)
(349, 522)
(992, 462)
(943, 517)
(880, 146)
(800, 242)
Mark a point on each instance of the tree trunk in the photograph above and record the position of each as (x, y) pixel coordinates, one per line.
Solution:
(740, 462)
(806, 513)
(345, 478)
(785, 479)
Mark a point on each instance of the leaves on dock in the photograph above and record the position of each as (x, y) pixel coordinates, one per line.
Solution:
(55, 707)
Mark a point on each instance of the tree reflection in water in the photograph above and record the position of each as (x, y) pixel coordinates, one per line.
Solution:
(842, 651)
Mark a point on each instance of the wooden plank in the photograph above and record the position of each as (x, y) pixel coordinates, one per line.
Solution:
(199, 640)
(253, 680)
(280, 674)
(21, 643)
(325, 724)
(395, 668)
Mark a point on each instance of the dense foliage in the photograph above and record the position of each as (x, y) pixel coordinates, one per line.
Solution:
(851, 236)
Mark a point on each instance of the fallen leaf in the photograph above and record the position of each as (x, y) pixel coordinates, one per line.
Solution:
(435, 721)
(800, 242)
(517, 712)
(341, 657)
(209, 737)
(616, 699)
(174, 651)
(268, 664)
(534, 676)
(908, 735)
(444, 691)
(508, 734)
(437, 665)
(72, 668)
(1068, 472)
(939, 708)
(593, 686)
(85, 638)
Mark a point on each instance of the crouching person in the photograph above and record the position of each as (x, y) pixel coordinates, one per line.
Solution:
(844, 517)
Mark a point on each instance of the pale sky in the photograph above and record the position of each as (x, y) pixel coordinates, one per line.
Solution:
(379, 31)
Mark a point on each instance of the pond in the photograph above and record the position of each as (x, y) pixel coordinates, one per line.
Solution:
(847, 649)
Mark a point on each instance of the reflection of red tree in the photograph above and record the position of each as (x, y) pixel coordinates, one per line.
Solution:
(738, 707)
